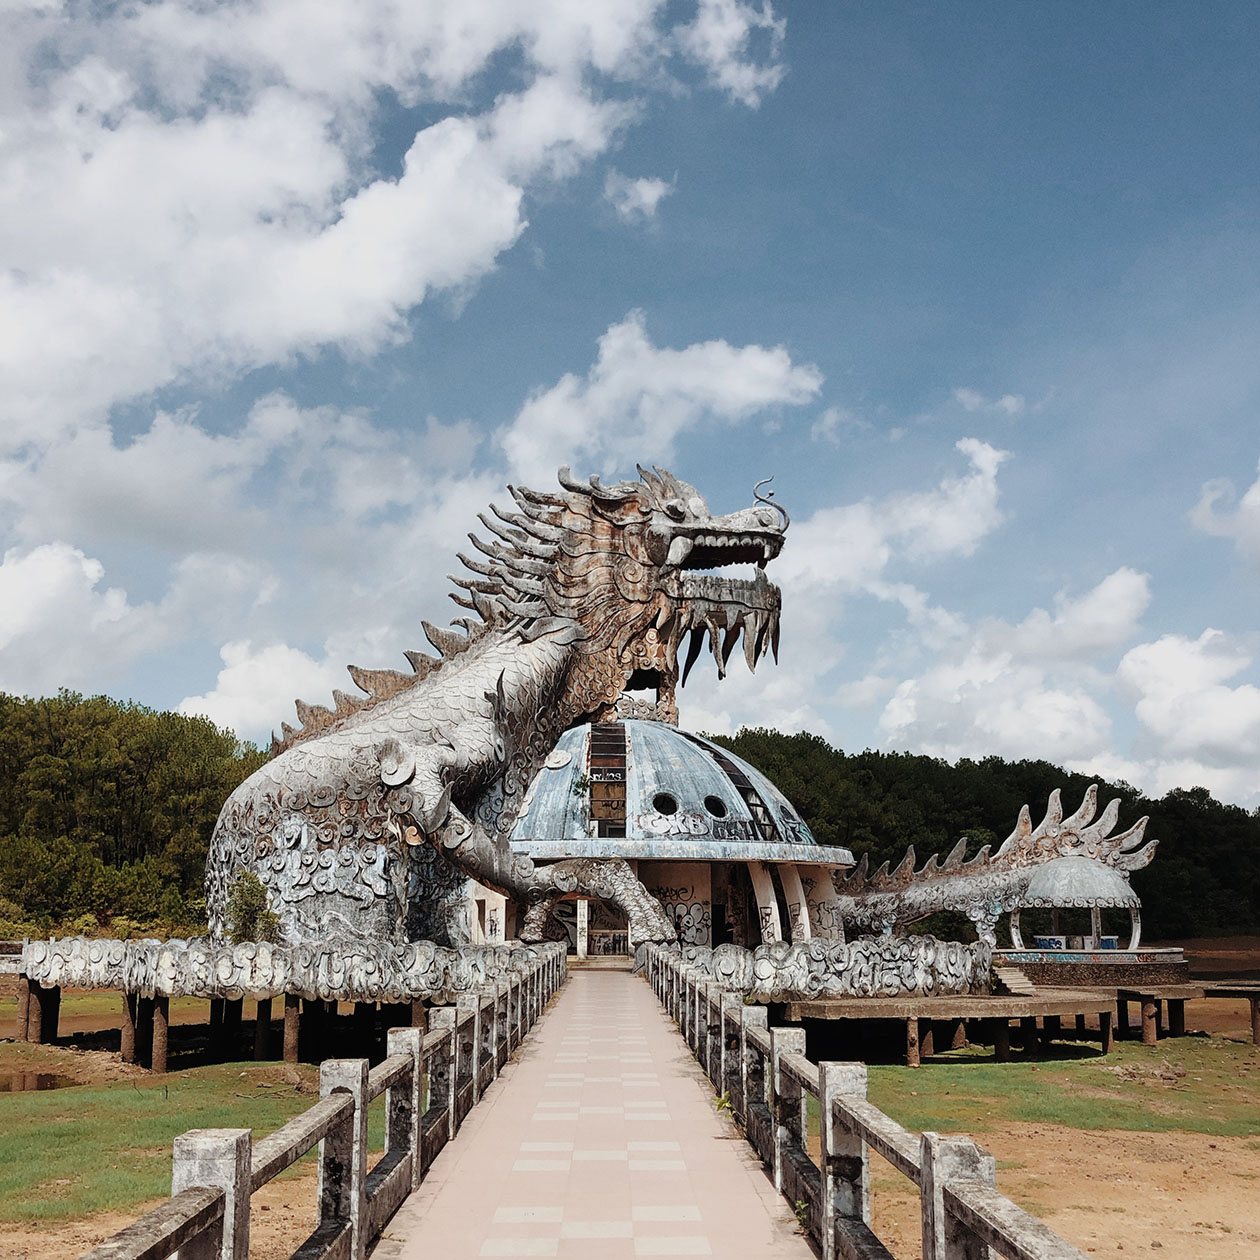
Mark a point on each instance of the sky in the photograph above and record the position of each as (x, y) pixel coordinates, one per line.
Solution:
(289, 291)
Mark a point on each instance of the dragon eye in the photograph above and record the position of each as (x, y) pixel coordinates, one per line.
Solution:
(675, 509)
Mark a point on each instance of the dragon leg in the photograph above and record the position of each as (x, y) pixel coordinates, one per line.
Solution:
(474, 851)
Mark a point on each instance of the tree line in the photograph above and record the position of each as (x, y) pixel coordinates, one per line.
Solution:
(106, 811)
(1204, 881)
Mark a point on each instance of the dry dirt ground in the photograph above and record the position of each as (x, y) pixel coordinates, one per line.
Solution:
(1111, 1193)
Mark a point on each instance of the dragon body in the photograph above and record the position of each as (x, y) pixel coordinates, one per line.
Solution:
(368, 820)
(988, 885)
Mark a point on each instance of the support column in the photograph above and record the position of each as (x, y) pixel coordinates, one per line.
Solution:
(1002, 1040)
(958, 1037)
(942, 1160)
(1150, 1026)
(927, 1038)
(1176, 1017)
(127, 1047)
(144, 1031)
(843, 1156)
(912, 1043)
(1106, 1033)
(1080, 1025)
(583, 928)
(1255, 1021)
(1122, 1019)
(34, 1012)
(232, 1027)
(1028, 1029)
(262, 1029)
(1095, 924)
(419, 1015)
(23, 1008)
(343, 1153)
(822, 903)
(161, 1031)
(767, 902)
(292, 1026)
(1052, 1026)
(797, 907)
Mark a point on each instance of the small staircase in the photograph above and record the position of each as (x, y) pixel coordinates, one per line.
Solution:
(1012, 981)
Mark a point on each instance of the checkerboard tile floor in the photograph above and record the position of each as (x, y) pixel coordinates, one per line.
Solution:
(600, 1141)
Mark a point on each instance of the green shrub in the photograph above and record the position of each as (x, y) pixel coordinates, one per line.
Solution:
(249, 917)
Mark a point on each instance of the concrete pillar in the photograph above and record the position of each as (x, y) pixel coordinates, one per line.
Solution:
(912, 1043)
(232, 1010)
(942, 1160)
(23, 1008)
(843, 1157)
(1080, 1025)
(161, 1031)
(262, 1029)
(787, 1101)
(797, 907)
(404, 1102)
(1150, 1027)
(583, 930)
(767, 902)
(292, 1024)
(927, 1039)
(343, 1153)
(1176, 1017)
(419, 1014)
(1095, 926)
(1002, 1040)
(1052, 1026)
(1106, 1033)
(144, 1031)
(43, 1010)
(218, 1158)
(128, 1039)
(1122, 1018)
(34, 1012)
(958, 1035)
(823, 905)
(1255, 1021)
(1029, 1036)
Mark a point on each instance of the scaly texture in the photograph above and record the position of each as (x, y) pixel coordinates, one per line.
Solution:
(577, 594)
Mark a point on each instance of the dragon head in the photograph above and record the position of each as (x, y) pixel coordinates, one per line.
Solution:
(621, 569)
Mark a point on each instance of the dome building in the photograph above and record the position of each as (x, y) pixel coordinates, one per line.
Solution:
(709, 835)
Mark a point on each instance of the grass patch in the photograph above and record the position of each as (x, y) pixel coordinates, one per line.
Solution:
(1188, 1085)
(68, 1153)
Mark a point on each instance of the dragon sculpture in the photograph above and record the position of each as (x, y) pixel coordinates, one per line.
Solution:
(988, 885)
(368, 819)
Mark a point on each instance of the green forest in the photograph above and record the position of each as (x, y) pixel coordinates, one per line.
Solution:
(106, 810)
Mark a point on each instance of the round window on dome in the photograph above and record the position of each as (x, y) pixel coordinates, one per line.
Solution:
(663, 803)
(716, 806)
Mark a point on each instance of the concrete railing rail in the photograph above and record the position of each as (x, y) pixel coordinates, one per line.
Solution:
(764, 1075)
(430, 1082)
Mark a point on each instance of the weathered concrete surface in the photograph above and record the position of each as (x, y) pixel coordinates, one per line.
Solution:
(601, 1139)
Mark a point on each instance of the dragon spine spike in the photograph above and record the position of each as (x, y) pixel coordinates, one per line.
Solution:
(955, 859)
(378, 683)
(1088, 807)
(1054, 811)
(905, 868)
(448, 642)
(420, 662)
(345, 703)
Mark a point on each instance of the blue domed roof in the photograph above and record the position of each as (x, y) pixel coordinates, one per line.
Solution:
(639, 789)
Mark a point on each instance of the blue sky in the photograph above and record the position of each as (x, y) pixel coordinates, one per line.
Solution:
(288, 292)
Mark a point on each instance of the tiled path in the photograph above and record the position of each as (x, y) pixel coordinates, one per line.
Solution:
(601, 1141)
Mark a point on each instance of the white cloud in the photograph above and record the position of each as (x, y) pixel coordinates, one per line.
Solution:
(635, 200)
(1219, 513)
(211, 169)
(834, 423)
(58, 627)
(1008, 404)
(638, 398)
(722, 39)
(257, 686)
(1186, 710)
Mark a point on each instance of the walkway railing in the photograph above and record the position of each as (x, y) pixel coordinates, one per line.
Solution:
(764, 1075)
(431, 1081)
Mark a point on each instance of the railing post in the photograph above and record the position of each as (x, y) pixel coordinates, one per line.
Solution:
(752, 1076)
(714, 998)
(218, 1158)
(787, 1101)
(844, 1159)
(444, 1079)
(403, 1103)
(732, 1004)
(470, 1042)
(343, 1153)
(948, 1159)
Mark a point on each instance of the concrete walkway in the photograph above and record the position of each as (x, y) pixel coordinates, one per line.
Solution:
(601, 1141)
